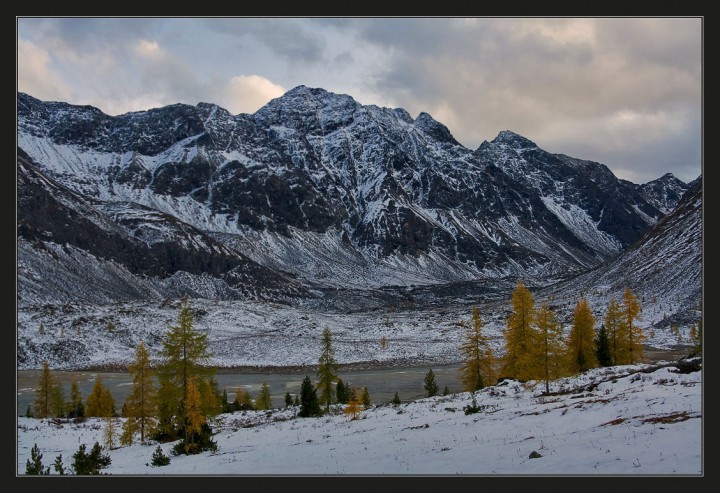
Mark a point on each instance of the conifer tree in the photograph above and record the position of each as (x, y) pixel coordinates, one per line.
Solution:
(603, 351)
(696, 337)
(353, 408)
(109, 433)
(327, 370)
(57, 401)
(550, 344)
(365, 397)
(211, 398)
(90, 463)
(76, 408)
(613, 326)
(446, 391)
(58, 465)
(243, 401)
(581, 342)
(633, 335)
(44, 392)
(520, 361)
(264, 401)
(296, 401)
(309, 405)
(34, 465)
(140, 405)
(100, 402)
(288, 399)
(159, 458)
(226, 406)
(430, 385)
(195, 426)
(396, 399)
(341, 391)
(478, 367)
(184, 356)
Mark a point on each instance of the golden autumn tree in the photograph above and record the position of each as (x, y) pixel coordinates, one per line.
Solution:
(194, 419)
(581, 342)
(520, 360)
(185, 356)
(613, 326)
(43, 405)
(632, 335)
(354, 406)
(100, 402)
(327, 370)
(140, 406)
(551, 345)
(478, 367)
(264, 400)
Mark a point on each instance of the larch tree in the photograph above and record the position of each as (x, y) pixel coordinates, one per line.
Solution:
(110, 433)
(100, 403)
(478, 367)
(354, 407)
(76, 408)
(263, 401)
(43, 405)
(365, 397)
(140, 406)
(520, 361)
(58, 405)
(197, 436)
(581, 341)
(327, 370)
(633, 335)
(185, 355)
(551, 344)
(613, 326)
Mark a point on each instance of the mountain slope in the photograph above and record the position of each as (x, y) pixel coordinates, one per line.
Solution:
(335, 193)
(75, 248)
(664, 267)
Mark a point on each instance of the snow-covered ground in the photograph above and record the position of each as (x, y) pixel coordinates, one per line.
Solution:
(609, 421)
(250, 334)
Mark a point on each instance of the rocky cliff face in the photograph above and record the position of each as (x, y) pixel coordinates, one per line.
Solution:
(313, 190)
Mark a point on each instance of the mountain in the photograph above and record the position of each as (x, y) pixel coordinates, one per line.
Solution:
(664, 267)
(312, 192)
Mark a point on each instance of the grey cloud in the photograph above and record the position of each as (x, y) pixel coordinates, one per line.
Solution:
(498, 74)
(288, 38)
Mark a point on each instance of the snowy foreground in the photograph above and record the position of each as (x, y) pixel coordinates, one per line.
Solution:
(627, 420)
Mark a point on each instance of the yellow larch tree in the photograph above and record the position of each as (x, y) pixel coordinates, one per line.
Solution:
(140, 406)
(551, 344)
(478, 367)
(633, 335)
(581, 342)
(520, 361)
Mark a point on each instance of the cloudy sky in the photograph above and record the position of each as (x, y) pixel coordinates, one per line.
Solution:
(626, 92)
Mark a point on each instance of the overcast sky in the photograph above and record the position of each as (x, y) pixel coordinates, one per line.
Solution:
(626, 92)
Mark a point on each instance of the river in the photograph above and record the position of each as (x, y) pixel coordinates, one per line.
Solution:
(382, 383)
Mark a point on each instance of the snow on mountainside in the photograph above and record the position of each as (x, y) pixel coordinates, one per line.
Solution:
(664, 268)
(319, 174)
(319, 211)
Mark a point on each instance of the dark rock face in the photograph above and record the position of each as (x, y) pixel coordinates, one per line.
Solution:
(391, 189)
(145, 241)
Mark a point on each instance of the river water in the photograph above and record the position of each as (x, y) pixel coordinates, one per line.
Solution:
(381, 383)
